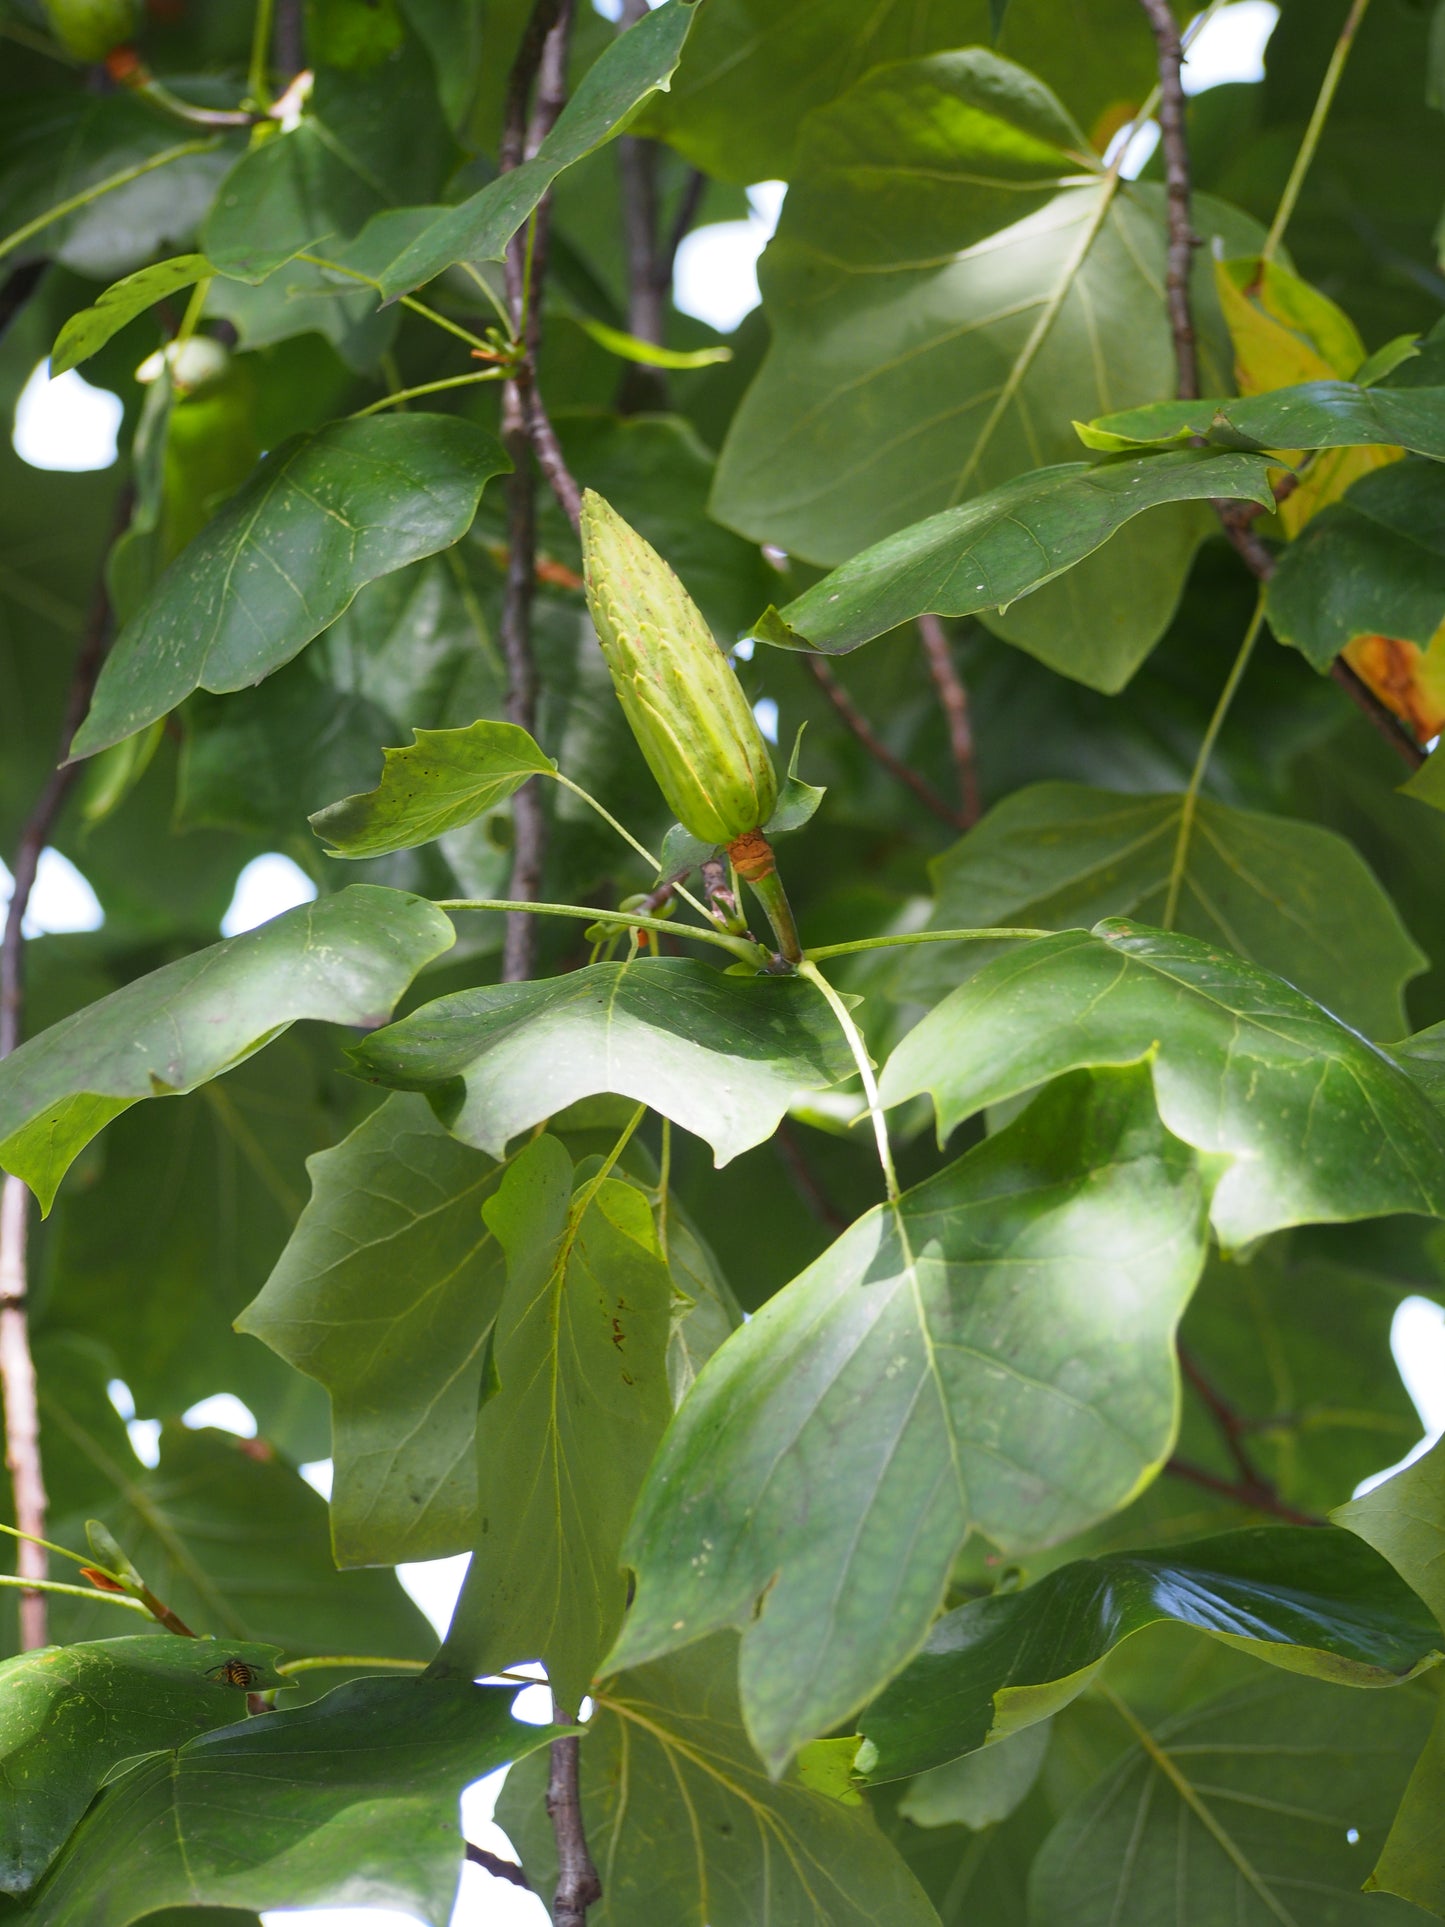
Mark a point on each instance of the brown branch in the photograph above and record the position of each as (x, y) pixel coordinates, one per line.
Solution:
(1236, 518)
(687, 210)
(17, 1367)
(954, 698)
(1174, 141)
(1257, 1498)
(494, 1864)
(877, 748)
(805, 1182)
(288, 39)
(577, 1883)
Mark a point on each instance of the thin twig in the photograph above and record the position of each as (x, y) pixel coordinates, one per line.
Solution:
(1231, 1426)
(877, 748)
(578, 1886)
(954, 698)
(1257, 1497)
(17, 1367)
(805, 1182)
(1237, 519)
(494, 1864)
(687, 210)
(1174, 141)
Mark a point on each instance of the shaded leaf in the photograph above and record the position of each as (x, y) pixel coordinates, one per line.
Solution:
(720, 1055)
(69, 1714)
(352, 1800)
(1404, 1519)
(949, 234)
(322, 515)
(979, 1789)
(385, 1294)
(1003, 545)
(575, 1399)
(633, 66)
(1312, 414)
(995, 1352)
(687, 1826)
(345, 959)
(1308, 1122)
(339, 166)
(1285, 894)
(235, 1541)
(1310, 1601)
(1263, 1807)
(446, 778)
(87, 332)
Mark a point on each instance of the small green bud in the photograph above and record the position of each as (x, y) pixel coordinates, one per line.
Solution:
(677, 688)
(91, 28)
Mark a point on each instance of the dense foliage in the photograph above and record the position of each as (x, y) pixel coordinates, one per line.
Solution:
(908, 1390)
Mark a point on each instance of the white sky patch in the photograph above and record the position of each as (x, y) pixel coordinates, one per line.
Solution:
(268, 885)
(434, 1584)
(65, 423)
(225, 1412)
(1231, 47)
(716, 278)
(766, 711)
(319, 1474)
(1417, 1338)
(62, 900)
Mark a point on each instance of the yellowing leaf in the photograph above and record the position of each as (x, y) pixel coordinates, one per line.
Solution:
(1284, 332)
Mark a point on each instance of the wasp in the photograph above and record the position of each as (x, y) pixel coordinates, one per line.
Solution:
(235, 1672)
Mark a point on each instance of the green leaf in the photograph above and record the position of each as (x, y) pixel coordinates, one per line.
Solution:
(446, 778)
(647, 354)
(337, 168)
(718, 1839)
(87, 332)
(979, 1789)
(1284, 894)
(949, 234)
(1263, 1807)
(635, 65)
(234, 1540)
(345, 960)
(1005, 544)
(752, 72)
(322, 516)
(994, 1353)
(385, 1294)
(69, 1714)
(352, 1800)
(1310, 1601)
(1308, 1123)
(1313, 414)
(722, 1056)
(1373, 564)
(1404, 1519)
(577, 1401)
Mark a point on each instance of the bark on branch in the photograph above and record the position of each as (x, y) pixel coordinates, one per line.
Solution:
(859, 724)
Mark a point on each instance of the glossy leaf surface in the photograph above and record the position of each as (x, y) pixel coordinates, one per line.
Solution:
(952, 1348)
(87, 332)
(1316, 414)
(1281, 893)
(349, 1801)
(69, 1715)
(1309, 1601)
(322, 516)
(447, 778)
(1245, 1068)
(346, 959)
(719, 1055)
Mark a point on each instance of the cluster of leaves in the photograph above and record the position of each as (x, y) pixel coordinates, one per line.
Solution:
(1002, 1565)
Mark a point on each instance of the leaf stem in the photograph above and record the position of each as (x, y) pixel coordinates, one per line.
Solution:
(824, 950)
(331, 1661)
(76, 1558)
(407, 301)
(1201, 761)
(1328, 88)
(627, 836)
(807, 968)
(112, 181)
(257, 82)
(595, 1183)
(628, 919)
(77, 1592)
(426, 388)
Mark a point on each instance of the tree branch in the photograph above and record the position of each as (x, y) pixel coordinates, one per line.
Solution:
(17, 1367)
(577, 1883)
(500, 1869)
(805, 1182)
(954, 698)
(1258, 1498)
(1250, 1487)
(1236, 518)
(1174, 141)
(877, 748)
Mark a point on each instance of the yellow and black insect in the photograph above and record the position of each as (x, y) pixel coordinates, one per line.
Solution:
(235, 1672)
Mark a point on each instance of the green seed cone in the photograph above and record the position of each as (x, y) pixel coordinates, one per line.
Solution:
(90, 28)
(677, 688)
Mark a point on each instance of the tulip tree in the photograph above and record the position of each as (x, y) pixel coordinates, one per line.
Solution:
(862, 1079)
